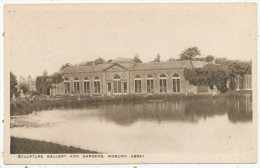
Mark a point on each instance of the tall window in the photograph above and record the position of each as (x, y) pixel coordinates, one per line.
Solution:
(176, 83)
(117, 84)
(237, 82)
(138, 86)
(163, 84)
(109, 87)
(125, 87)
(150, 85)
(96, 85)
(76, 85)
(86, 85)
(248, 81)
(67, 85)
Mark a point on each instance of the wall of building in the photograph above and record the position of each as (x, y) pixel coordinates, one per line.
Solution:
(156, 75)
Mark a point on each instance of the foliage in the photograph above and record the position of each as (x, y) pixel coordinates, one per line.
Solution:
(56, 78)
(25, 87)
(200, 59)
(99, 61)
(41, 84)
(190, 53)
(137, 59)
(110, 60)
(13, 84)
(157, 58)
(174, 59)
(212, 74)
(45, 73)
(222, 61)
(209, 58)
(65, 66)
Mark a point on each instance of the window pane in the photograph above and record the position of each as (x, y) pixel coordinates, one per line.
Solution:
(137, 86)
(125, 87)
(86, 87)
(178, 85)
(174, 85)
(96, 86)
(109, 87)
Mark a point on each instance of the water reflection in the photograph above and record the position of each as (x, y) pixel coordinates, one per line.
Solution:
(241, 110)
(237, 110)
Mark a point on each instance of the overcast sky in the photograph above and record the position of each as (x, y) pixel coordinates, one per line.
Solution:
(39, 37)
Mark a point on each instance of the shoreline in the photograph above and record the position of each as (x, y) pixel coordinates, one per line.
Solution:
(28, 146)
(24, 106)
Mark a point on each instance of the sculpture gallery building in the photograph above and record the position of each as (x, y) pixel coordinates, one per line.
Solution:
(123, 76)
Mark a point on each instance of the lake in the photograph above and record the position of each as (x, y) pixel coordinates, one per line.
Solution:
(194, 126)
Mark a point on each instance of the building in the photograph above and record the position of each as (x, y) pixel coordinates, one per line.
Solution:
(123, 76)
(29, 81)
(243, 82)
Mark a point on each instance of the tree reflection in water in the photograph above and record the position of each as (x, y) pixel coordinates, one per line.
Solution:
(237, 110)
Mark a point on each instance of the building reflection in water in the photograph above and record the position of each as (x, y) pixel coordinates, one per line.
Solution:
(237, 110)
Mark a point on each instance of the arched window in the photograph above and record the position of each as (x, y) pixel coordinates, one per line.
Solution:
(149, 83)
(96, 85)
(86, 85)
(76, 85)
(117, 84)
(162, 83)
(138, 86)
(67, 85)
(176, 83)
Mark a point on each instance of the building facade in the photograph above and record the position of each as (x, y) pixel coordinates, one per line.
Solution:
(123, 77)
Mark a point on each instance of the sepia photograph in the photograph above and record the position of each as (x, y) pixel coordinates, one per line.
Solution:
(130, 83)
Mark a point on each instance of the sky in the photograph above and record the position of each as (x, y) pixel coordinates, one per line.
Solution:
(44, 37)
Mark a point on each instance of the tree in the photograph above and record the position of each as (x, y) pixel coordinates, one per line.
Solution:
(41, 84)
(174, 59)
(209, 58)
(157, 58)
(190, 53)
(110, 60)
(137, 59)
(65, 66)
(13, 84)
(222, 61)
(99, 61)
(56, 78)
(45, 73)
(25, 87)
(212, 74)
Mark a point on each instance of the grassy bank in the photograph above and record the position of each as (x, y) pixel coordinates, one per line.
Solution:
(27, 146)
(26, 106)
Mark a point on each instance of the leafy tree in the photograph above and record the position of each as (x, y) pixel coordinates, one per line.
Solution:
(65, 66)
(157, 58)
(174, 59)
(110, 60)
(200, 59)
(99, 61)
(45, 73)
(209, 58)
(137, 59)
(41, 84)
(222, 61)
(13, 84)
(190, 53)
(56, 78)
(25, 87)
(212, 74)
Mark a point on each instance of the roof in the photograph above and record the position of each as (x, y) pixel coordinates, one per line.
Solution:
(130, 65)
(94, 68)
(199, 64)
(161, 65)
(121, 59)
